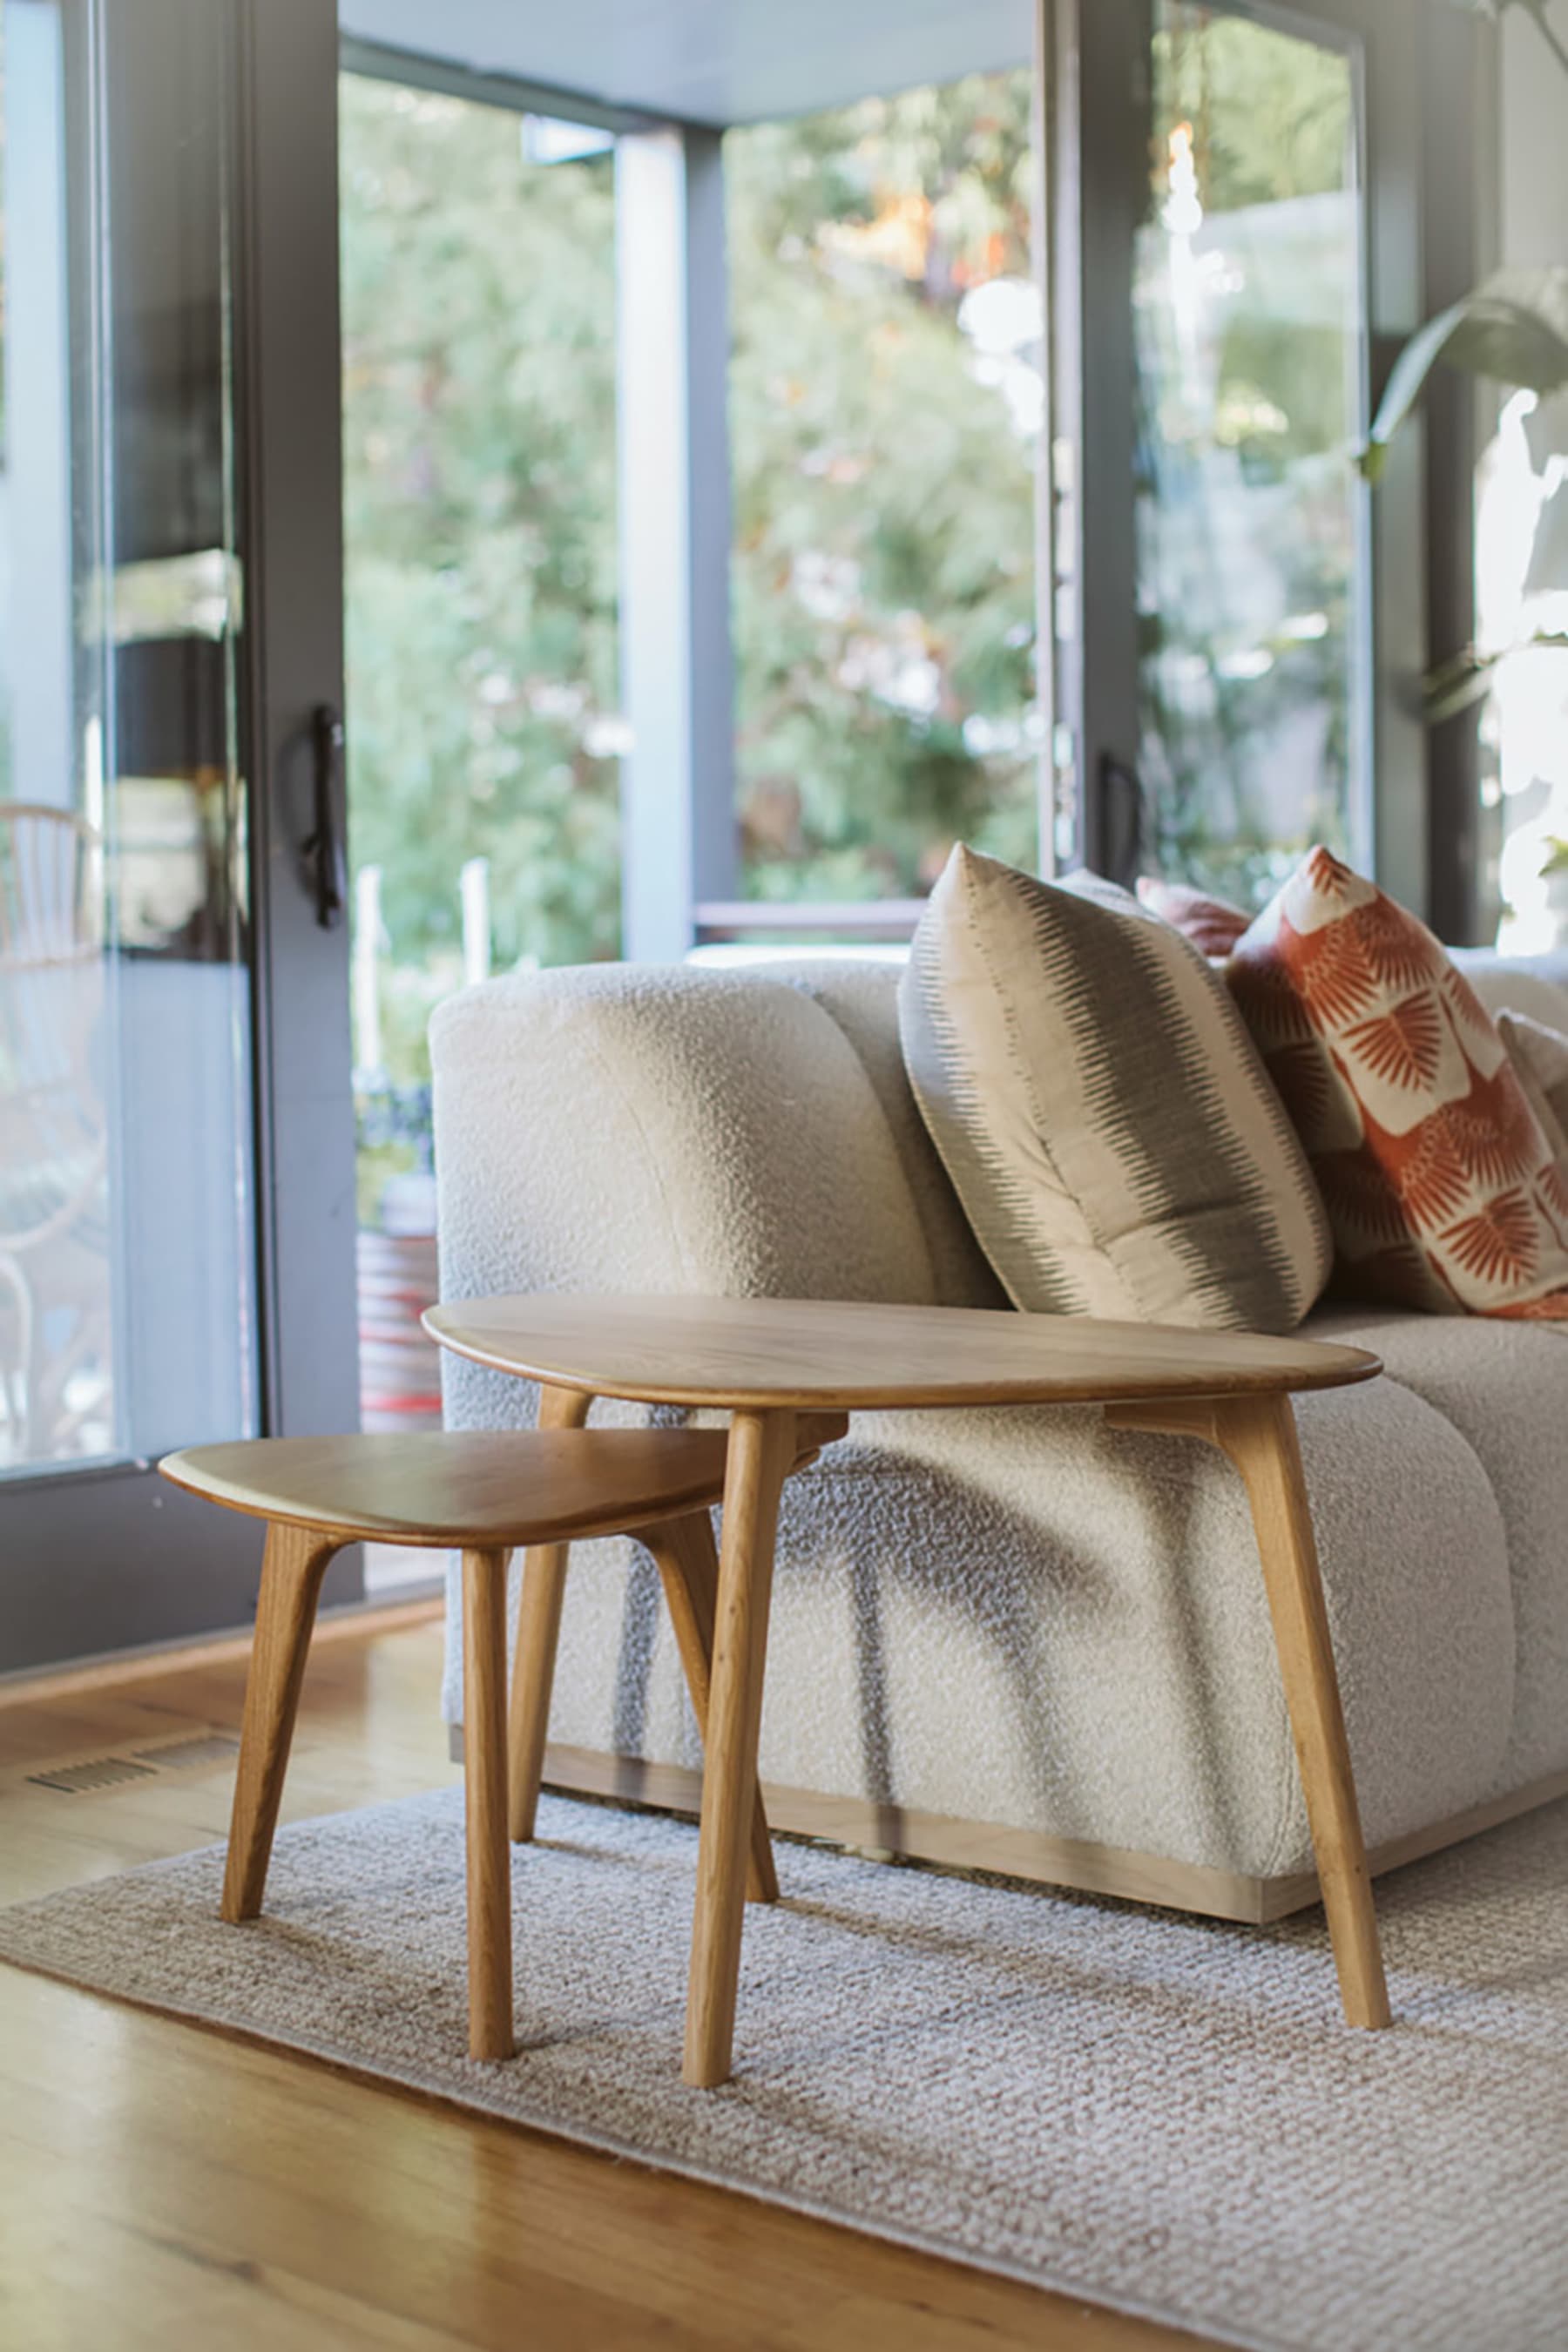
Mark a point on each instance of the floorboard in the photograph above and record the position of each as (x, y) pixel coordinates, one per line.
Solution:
(166, 2187)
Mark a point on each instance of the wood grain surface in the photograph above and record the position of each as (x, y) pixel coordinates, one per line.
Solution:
(291, 1571)
(161, 2186)
(804, 1352)
(540, 1598)
(1258, 1433)
(762, 1449)
(451, 1489)
(489, 1849)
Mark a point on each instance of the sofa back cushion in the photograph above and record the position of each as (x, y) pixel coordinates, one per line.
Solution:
(1539, 1058)
(1537, 985)
(644, 1128)
(860, 996)
(1103, 1115)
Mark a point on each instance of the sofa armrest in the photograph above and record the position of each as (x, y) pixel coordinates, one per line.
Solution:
(655, 1128)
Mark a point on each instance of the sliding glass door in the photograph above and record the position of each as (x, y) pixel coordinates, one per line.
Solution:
(885, 414)
(158, 774)
(481, 596)
(126, 1186)
(1239, 248)
(1251, 340)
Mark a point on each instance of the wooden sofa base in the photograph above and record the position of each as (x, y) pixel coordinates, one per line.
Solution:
(857, 1822)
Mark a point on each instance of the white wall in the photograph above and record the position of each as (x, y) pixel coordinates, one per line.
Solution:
(715, 61)
(1524, 481)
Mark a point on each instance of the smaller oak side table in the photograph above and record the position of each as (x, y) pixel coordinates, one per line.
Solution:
(481, 1492)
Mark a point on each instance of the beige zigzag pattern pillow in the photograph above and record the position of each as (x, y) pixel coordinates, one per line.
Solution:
(1102, 1113)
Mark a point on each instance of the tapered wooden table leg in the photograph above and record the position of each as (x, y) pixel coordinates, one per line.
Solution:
(490, 2032)
(295, 1561)
(762, 1450)
(1260, 1435)
(684, 1553)
(538, 1633)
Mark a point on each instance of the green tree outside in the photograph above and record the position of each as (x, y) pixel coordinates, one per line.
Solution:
(479, 510)
(884, 399)
(884, 591)
(884, 572)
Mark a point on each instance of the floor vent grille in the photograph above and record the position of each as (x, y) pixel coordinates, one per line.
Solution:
(89, 1774)
(99, 1772)
(181, 1755)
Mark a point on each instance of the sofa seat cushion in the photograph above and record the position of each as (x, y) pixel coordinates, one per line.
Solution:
(1503, 1387)
(1103, 1115)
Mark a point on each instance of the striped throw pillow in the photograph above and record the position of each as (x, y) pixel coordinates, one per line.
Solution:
(1101, 1110)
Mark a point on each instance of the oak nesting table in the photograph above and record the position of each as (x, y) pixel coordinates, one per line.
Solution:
(766, 1361)
(484, 1492)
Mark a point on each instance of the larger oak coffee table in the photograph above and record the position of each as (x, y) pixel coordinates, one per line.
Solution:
(766, 1359)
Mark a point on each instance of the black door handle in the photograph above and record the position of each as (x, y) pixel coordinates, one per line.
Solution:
(323, 851)
(1121, 820)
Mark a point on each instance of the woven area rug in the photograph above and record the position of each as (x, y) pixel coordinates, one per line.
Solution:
(1152, 2112)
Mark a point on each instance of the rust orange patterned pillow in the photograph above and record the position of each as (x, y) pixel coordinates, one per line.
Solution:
(1441, 1189)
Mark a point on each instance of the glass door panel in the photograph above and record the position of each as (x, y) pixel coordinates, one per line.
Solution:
(481, 589)
(127, 1282)
(176, 1123)
(1252, 554)
(886, 406)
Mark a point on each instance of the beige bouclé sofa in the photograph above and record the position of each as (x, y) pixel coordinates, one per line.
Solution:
(1015, 1639)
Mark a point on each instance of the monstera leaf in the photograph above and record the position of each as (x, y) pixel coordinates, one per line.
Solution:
(1514, 329)
(1467, 677)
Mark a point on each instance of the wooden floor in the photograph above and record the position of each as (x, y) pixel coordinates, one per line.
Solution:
(164, 2187)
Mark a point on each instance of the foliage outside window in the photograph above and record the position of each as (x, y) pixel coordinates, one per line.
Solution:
(480, 507)
(884, 406)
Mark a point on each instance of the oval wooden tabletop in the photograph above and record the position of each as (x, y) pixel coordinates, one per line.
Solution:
(803, 1352)
(477, 1487)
